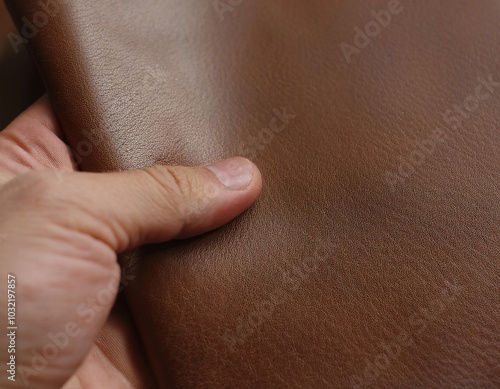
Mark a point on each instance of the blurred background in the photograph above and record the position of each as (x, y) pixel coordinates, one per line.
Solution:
(20, 84)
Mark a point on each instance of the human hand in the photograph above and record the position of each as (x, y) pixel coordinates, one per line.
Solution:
(61, 230)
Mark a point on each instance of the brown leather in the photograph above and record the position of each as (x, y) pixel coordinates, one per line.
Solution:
(372, 257)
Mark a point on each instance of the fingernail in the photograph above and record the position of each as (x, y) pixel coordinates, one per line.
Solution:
(233, 173)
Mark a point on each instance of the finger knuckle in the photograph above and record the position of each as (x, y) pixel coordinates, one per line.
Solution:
(174, 182)
(176, 186)
(181, 181)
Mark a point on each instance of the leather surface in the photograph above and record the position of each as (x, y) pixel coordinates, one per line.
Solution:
(372, 257)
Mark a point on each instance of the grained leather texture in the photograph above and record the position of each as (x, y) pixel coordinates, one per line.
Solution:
(372, 258)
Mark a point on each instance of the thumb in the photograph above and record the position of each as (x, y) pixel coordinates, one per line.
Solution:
(54, 220)
(156, 204)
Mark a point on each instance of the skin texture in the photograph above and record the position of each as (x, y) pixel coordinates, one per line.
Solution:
(60, 234)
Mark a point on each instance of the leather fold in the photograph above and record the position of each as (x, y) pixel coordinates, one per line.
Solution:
(372, 257)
